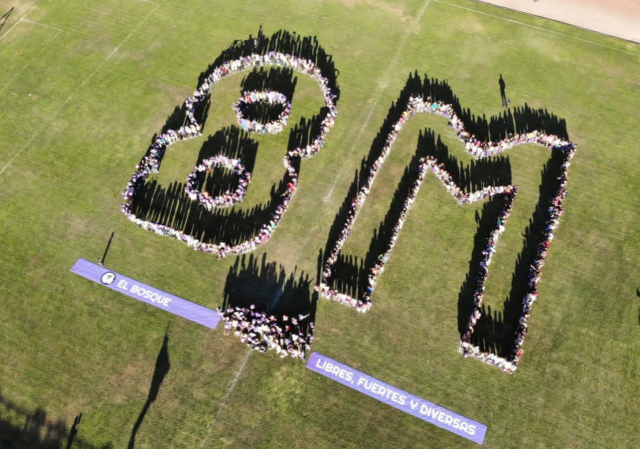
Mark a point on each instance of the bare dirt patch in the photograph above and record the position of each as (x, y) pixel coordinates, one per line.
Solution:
(76, 226)
(618, 18)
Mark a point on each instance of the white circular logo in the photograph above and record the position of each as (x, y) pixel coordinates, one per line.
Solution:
(108, 278)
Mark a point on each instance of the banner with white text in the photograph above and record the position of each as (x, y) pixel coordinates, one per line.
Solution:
(398, 398)
(146, 293)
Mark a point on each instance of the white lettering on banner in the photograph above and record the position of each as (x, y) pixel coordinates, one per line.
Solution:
(425, 410)
(382, 391)
(147, 294)
(444, 418)
(150, 295)
(448, 420)
(398, 398)
(335, 370)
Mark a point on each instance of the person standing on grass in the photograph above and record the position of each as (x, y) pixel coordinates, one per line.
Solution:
(503, 92)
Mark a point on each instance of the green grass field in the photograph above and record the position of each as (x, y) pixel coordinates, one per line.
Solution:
(85, 85)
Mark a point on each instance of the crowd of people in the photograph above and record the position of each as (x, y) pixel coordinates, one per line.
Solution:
(288, 336)
(483, 273)
(267, 334)
(195, 181)
(270, 97)
(151, 161)
(555, 211)
(478, 150)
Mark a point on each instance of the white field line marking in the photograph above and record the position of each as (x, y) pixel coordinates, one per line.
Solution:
(27, 65)
(383, 88)
(119, 46)
(539, 28)
(280, 292)
(385, 83)
(13, 78)
(421, 13)
(36, 134)
(57, 111)
(29, 11)
(223, 401)
(244, 362)
(41, 24)
(15, 24)
(12, 27)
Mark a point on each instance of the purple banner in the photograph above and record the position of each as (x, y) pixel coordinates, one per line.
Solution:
(147, 294)
(398, 398)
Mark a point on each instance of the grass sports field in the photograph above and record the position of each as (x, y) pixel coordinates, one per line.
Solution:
(85, 85)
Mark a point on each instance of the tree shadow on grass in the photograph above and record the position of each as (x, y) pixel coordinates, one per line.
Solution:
(638, 295)
(75, 428)
(37, 431)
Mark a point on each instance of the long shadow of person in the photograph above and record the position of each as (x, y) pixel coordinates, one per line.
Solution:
(74, 430)
(503, 90)
(161, 370)
(638, 295)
